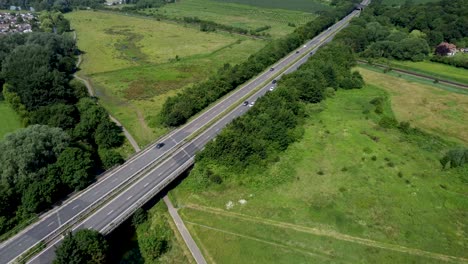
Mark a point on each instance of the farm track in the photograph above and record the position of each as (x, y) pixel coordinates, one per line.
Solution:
(332, 234)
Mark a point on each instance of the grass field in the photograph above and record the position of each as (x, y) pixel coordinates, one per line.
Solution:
(299, 5)
(238, 15)
(429, 108)
(9, 121)
(401, 2)
(132, 63)
(356, 193)
(437, 70)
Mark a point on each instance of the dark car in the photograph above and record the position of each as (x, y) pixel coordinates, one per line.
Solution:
(246, 103)
(297, 51)
(272, 69)
(160, 145)
(274, 81)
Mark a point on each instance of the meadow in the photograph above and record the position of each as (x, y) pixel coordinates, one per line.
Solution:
(401, 2)
(299, 5)
(352, 192)
(9, 121)
(238, 15)
(134, 64)
(432, 109)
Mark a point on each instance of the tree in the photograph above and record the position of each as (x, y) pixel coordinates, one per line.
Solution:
(139, 217)
(85, 246)
(25, 152)
(110, 157)
(54, 22)
(444, 48)
(108, 134)
(76, 167)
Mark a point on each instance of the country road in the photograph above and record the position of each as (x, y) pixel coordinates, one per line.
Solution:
(105, 204)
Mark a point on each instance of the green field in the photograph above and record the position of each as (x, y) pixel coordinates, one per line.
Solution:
(401, 2)
(134, 64)
(299, 5)
(237, 15)
(9, 121)
(354, 193)
(434, 69)
(434, 110)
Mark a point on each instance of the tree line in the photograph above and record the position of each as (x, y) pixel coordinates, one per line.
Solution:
(178, 109)
(68, 138)
(49, 5)
(407, 32)
(257, 138)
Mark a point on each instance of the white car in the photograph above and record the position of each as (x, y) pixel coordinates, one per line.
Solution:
(271, 88)
(305, 46)
(251, 104)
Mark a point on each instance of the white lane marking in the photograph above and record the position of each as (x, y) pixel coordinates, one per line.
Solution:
(51, 223)
(110, 212)
(114, 180)
(76, 206)
(160, 174)
(129, 197)
(146, 184)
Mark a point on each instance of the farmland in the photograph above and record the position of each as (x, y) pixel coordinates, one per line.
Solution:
(134, 64)
(10, 121)
(352, 191)
(299, 5)
(239, 15)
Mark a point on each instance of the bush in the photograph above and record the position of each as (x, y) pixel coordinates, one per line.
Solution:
(455, 158)
(139, 217)
(388, 122)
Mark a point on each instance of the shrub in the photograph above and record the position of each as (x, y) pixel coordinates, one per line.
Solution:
(388, 122)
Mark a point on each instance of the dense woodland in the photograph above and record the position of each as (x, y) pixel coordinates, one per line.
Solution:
(178, 109)
(68, 137)
(408, 32)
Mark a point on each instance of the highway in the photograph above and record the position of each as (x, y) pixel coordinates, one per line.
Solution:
(148, 171)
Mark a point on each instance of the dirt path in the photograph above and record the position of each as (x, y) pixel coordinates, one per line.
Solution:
(332, 234)
(91, 92)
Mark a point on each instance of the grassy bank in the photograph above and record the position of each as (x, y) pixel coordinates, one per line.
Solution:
(434, 69)
(355, 193)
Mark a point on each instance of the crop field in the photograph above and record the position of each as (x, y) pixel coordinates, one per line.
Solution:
(437, 70)
(299, 5)
(9, 121)
(353, 193)
(237, 15)
(429, 108)
(134, 64)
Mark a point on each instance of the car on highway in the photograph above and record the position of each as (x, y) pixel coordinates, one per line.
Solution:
(297, 51)
(271, 89)
(160, 145)
(274, 81)
(246, 103)
(305, 46)
(251, 103)
(272, 69)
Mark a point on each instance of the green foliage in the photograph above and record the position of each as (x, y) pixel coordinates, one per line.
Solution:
(108, 134)
(54, 22)
(24, 159)
(110, 158)
(455, 158)
(55, 115)
(139, 217)
(75, 167)
(154, 240)
(85, 246)
(388, 122)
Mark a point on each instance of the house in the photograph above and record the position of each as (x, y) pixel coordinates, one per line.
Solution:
(446, 49)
